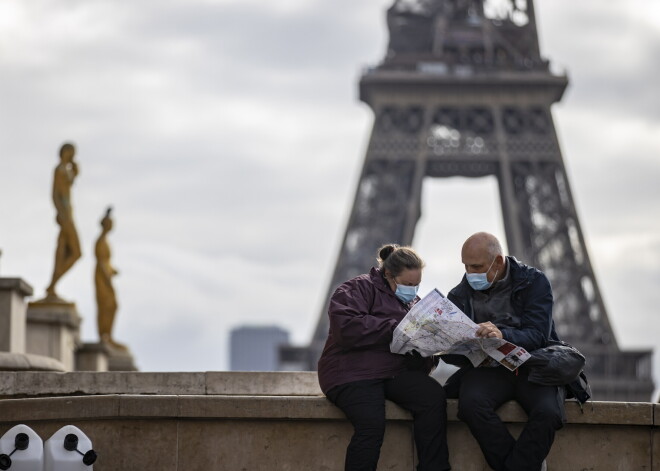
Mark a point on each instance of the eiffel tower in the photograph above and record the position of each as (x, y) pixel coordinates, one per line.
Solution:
(465, 92)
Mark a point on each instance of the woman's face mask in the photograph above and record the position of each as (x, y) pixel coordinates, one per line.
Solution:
(406, 293)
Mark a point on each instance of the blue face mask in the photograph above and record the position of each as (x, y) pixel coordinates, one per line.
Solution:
(479, 281)
(406, 293)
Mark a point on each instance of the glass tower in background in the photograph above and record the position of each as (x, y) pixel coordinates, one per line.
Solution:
(256, 348)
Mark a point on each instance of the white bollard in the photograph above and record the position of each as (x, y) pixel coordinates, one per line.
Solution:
(69, 449)
(21, 449)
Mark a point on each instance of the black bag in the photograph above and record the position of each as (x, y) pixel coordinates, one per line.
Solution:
(560, 364)
(557, 364)
(579, 389)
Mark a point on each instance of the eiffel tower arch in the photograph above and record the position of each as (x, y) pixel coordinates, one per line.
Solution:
(463, 93)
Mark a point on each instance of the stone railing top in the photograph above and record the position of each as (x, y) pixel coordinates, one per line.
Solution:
(10, 361)
(16, 284)
(26, 384)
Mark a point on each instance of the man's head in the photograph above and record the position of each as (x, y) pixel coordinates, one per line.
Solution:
(482, 253)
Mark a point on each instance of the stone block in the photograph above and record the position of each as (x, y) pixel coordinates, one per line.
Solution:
(28, 362)
(92, 357)
(464, 452)
(301, 383)
(119, 360)
(17, 285)
(154, 383)
(7, 383)
(148, 406)
(13, 314)
(594, 447)
(53, 331)
(282, 445)
(124, 445)
(600, 412)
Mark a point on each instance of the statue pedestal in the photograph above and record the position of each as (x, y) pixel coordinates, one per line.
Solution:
(121, 360)
(13, 314)
(53, 330)
(93, 357)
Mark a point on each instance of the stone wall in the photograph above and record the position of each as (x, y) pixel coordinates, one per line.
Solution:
(280, 421)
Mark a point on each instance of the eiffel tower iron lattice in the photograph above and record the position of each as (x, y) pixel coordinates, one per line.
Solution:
(462, 93)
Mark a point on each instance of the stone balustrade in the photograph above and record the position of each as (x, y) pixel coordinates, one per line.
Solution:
(281, 421)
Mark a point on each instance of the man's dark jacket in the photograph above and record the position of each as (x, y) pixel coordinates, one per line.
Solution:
(530, 325)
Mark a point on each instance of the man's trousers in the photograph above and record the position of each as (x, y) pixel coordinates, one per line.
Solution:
(483, 390)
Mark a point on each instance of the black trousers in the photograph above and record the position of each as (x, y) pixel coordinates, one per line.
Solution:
(363, 402)
(483, 390)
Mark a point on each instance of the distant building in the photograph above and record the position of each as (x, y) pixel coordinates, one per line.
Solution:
(256, 348)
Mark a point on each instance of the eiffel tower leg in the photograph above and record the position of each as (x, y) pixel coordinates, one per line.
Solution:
(516, 221)
(554, 243)
(380, 215)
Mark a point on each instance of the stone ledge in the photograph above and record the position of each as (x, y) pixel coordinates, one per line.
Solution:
(60, 314)
(167, 407)
(54, 408)
(275, 407)
(592, 412)
(25, 362)
(300, 383)
(26, 384)
(16, 284)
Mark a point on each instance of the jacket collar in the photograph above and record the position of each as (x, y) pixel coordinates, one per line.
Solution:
(521, 274)
(379, 281)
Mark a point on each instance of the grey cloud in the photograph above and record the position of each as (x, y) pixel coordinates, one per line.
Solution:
(610, 56)
(319, 37)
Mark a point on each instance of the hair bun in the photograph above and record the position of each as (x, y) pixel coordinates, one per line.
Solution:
(386, 250)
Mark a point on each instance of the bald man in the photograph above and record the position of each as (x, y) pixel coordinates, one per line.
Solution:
(511, 301)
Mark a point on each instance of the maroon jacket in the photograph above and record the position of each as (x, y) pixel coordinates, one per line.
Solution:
(363, 314)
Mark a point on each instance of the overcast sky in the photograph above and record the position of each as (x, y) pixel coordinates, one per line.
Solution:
(228, 137)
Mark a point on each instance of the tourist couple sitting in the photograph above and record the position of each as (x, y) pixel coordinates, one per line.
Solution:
(358, 372)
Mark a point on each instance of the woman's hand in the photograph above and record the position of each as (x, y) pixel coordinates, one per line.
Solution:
(415, 361)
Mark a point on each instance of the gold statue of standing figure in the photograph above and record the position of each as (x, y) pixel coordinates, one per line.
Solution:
(106, 301)
(68, 244)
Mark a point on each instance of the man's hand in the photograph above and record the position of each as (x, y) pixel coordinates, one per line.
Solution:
(488, 330)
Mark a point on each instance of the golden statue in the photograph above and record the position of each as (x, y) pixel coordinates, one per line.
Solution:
(106, 301)
(68, 245)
